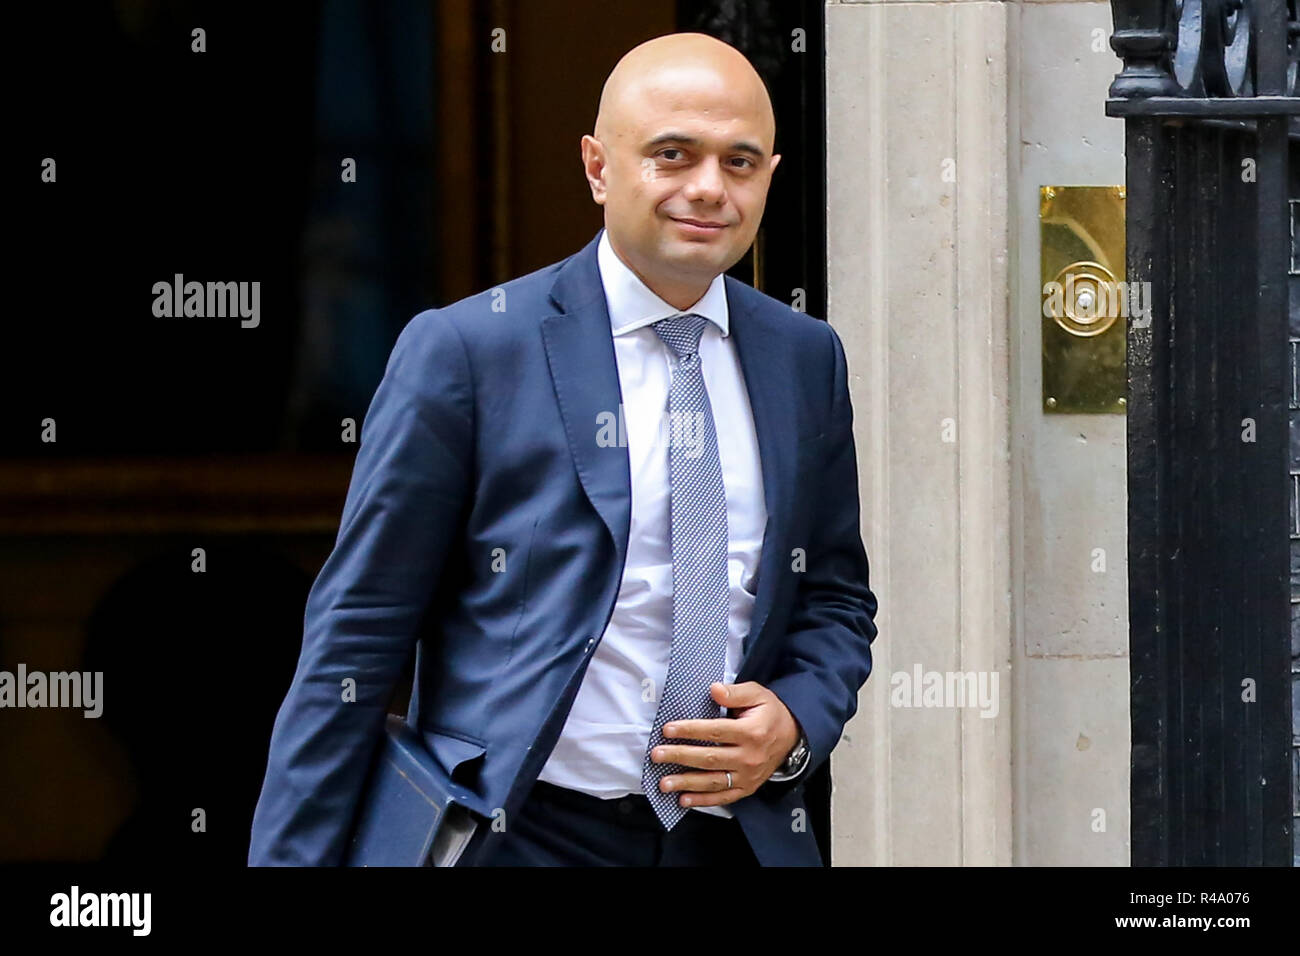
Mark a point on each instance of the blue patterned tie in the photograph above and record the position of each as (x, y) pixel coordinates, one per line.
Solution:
(699, 542)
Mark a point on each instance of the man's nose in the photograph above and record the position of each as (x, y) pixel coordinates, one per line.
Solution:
(706, 182)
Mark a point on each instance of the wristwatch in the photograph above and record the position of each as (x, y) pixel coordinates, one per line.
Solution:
(795, 763)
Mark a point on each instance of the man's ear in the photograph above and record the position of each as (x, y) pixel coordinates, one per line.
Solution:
(593, 165)
(776, 158)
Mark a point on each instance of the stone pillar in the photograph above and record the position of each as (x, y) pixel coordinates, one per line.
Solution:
(979, 511)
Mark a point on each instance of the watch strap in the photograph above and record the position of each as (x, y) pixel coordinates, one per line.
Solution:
(795, 763)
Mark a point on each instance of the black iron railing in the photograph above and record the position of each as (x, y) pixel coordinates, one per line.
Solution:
(1208, 96)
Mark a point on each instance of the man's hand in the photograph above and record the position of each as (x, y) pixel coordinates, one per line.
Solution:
(752, 744)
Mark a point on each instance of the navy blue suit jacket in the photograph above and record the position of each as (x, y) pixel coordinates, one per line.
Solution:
(483, 435)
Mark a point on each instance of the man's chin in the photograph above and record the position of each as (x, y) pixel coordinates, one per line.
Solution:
(703, 257)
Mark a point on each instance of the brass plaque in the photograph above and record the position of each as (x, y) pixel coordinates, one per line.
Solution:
(1085, 298)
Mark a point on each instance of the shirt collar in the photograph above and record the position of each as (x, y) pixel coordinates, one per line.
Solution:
(632, 305)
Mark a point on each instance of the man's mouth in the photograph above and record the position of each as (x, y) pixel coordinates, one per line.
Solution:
(700, 226)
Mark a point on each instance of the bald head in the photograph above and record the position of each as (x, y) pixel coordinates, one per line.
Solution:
(694, 60)
(681, 159)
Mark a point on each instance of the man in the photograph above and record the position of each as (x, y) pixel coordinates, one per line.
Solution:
(609, 500)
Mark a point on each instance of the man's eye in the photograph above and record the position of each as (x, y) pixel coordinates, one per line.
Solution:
(671, 149)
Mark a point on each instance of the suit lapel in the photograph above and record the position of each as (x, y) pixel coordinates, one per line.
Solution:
(767, 364)
(580, 351)
(579, 347)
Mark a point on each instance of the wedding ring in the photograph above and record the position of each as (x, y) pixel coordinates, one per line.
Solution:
(728, 779)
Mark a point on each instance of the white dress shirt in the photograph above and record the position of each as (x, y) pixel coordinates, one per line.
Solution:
(603, 744)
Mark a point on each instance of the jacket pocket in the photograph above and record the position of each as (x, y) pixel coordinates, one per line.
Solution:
(459, 754)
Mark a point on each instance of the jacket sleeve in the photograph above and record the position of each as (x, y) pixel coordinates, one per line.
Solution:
(826, 657)
(402, 514)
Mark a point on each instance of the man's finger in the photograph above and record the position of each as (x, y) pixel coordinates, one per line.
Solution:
(745, 694)
(715, 798)
(704, 782)
(722, 729)
(706, 758)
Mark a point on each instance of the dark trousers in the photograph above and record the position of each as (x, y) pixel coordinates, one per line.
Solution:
(561, 827)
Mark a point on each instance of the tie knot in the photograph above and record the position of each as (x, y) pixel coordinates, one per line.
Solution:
(681, 333)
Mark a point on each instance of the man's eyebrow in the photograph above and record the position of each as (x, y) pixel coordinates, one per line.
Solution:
(739, 146)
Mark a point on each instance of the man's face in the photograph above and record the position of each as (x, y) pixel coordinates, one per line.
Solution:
(686, 174)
